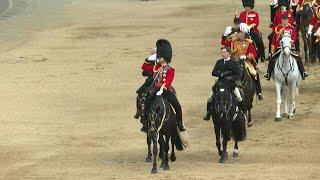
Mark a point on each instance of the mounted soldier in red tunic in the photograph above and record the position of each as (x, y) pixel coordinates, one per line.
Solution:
(251, 18)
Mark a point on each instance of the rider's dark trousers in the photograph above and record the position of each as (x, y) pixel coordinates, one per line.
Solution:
(172, 98)
(273, 11)
(258, 84)
(294, 9)
(259, 43)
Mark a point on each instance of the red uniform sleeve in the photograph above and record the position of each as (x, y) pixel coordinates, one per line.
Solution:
(277, 19)
(274, 40)
(147, 67)
(257, 21)
(300, 2)
(243, 17)
(169, 78)
(226, 42)
(314, 20)
(252, 50)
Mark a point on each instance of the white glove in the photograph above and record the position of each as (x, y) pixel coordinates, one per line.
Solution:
(310, 30)
(228, 31)
(273, 2)
(153, 57)
(159, 93)
(244, 27)
(243, 57)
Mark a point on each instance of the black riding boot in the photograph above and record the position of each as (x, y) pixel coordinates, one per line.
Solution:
(206, 117)
(259, 44)
(301, 68)
(177, 107)
(270, 68)
(258, 87)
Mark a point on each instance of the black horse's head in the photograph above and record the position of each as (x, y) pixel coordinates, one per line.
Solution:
(307, 11)
(158, 110)
(222, 96)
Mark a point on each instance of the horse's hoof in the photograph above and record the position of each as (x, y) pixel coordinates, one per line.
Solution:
(166, 168)
(250, 124)
(162, 165)
(148, 159)
(285, 115)
(222, 161)
(154, 171)
(235, 154)
(173, 158)
(277, 119)
(290, 117)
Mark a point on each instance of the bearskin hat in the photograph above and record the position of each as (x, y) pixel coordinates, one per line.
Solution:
(248, 3)
(285, 3)
(164, 50)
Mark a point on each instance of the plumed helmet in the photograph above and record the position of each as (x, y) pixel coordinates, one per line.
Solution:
(164, 50)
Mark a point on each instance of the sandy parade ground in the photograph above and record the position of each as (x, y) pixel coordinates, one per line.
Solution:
(69, 73)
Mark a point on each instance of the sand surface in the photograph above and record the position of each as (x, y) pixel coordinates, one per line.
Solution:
(68, 91)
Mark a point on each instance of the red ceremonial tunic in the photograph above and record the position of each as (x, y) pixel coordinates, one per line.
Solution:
(163, 78)
(278, 17)
(149, 67)
(250, 17)
(278, 32)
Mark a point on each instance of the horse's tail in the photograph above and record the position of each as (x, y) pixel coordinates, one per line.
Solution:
(178, 140)
(238, 128)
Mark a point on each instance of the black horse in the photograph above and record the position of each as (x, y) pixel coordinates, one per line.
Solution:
(315, 48)
(249, 90)
(228, 120)
(162, 127)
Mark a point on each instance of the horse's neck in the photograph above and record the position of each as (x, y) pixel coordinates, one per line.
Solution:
(285, 62)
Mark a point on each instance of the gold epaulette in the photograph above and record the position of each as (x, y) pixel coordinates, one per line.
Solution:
(279, 31)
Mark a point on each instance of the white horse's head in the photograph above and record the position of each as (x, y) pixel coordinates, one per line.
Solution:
(286, 43)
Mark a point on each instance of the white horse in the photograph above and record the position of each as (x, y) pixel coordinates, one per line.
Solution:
(286, 73)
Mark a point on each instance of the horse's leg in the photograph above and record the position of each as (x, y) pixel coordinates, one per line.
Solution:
(292, 100)
(155, 153)
(165, 156)
(160, 141)
(148, 159)
(278, 91)
(161, 150)
(236, 150)
(286, 109)
(224, 155)
(305, 46)
(249, 118)
(173, 155)
(218, 143)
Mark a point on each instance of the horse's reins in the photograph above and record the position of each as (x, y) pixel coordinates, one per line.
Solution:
(285, 75)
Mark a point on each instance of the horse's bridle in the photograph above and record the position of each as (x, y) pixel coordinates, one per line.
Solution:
(153, 123)
(285, 75)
